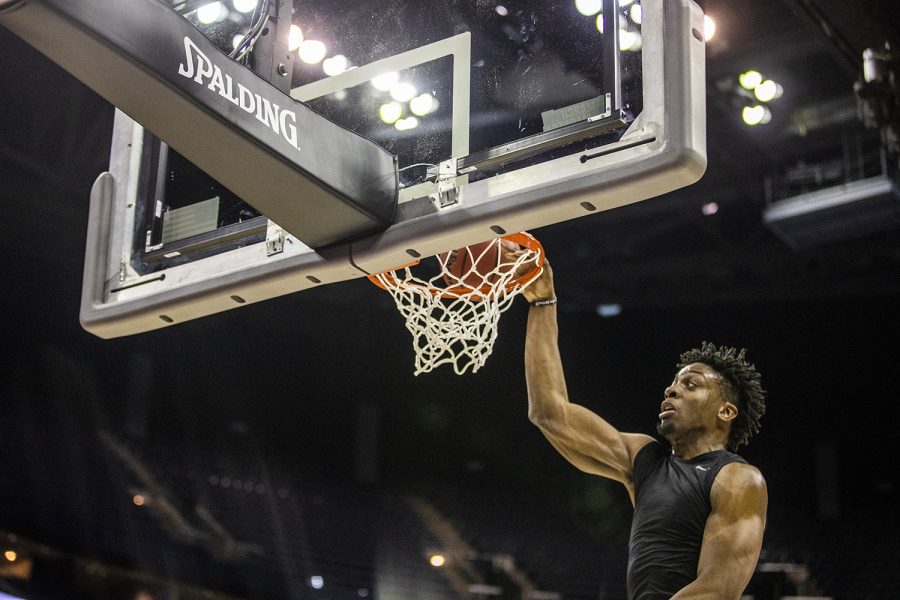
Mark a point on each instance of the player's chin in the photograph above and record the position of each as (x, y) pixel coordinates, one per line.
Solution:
(665, 428)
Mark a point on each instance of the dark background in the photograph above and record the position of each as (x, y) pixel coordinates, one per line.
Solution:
(279, 387)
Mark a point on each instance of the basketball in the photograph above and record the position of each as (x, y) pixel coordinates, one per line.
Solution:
(476, 265)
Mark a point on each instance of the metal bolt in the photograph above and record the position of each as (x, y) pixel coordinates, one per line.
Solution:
(282, 70)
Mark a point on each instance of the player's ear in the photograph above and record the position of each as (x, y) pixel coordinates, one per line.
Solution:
(728, 412)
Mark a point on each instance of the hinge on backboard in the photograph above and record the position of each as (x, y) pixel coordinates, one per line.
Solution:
(448, 191)
(274, 241)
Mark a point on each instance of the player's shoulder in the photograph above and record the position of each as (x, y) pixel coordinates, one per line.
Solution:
(740, 479)
(638, 441)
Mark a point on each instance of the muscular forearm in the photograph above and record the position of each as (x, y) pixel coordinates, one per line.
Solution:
(543, 368)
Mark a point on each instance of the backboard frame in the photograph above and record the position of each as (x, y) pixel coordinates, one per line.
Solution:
(663, 149)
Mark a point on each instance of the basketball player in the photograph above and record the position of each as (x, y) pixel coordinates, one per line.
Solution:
(699, 510)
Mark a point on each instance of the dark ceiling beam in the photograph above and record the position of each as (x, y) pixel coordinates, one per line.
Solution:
(849, 56)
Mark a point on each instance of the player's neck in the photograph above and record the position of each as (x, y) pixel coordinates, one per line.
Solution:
(690, 446)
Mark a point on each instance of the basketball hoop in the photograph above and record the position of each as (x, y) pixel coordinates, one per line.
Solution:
(453, 314)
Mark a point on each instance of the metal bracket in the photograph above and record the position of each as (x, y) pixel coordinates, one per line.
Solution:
(448, 191)
(272, 59)
(606, 114)
(275, 241)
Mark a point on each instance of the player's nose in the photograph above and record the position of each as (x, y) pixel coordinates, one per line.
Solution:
(670, 392)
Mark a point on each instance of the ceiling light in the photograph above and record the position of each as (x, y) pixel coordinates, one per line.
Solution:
(335, 65)
(437, 560)
(750, 79)
(312, 51)
(422, 105)
(295, 38)
(138, 500)
(709, 27)
(756, 115)
(636, 13)
(210, 13)
(710, 208)
(629, 41)
(588, 7)
(767, 91)
(624, 3)
(390, 112)
(501, 10)
(386, 81)
(10, 555)
(609, 310)
(244, 6)
(317, 581)
(407, 124)
(623, 22)
(403, 92)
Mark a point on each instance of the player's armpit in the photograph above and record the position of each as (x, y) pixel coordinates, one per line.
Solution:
(733, 536)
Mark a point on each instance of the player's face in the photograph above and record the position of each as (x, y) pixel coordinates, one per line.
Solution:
(691, 403)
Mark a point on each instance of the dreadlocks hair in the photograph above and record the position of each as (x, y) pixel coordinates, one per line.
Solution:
(744, 386)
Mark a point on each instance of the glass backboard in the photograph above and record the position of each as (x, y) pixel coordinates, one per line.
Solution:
(502, 118)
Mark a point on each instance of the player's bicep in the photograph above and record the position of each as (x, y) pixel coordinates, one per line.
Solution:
(592, 444)
(734, 530)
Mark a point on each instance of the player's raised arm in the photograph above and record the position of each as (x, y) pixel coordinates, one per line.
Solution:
(582, 437)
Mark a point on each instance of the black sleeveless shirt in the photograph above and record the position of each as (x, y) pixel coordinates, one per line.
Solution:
(671, 507)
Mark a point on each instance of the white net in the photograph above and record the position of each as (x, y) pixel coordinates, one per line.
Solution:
(453, 315)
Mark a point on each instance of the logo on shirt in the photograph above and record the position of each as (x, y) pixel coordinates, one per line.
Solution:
(701, 468)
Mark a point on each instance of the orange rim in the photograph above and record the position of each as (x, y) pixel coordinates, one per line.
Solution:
(522, 239)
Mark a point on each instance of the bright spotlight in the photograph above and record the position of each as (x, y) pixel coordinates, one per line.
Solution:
(710, 208)
(422, 105)
(636, 13)
(501, 10)
(437, 560)
(210, 13)
(295, 38)
(10, 555)
(600, 22)
(312, 51)
(335, 65)
(624, 3)
(767, 91)
(629, 41)
(407, 124)
(138, 500)
(317, 582)
(588, 7)
(750, 79)
(390, 112)
(709, 27)
(386, 81)
(403, 92)
(244, 6)
(756, 115)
